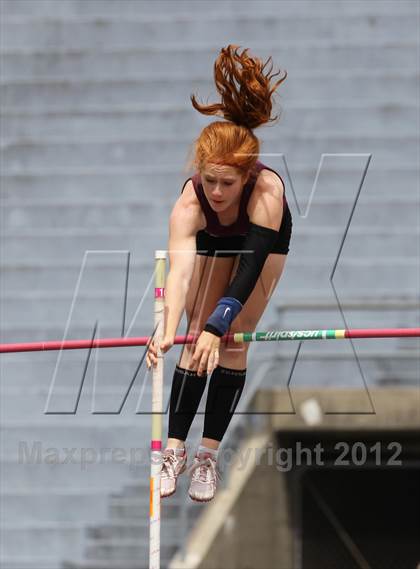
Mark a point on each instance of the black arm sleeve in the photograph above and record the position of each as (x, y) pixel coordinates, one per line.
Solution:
(259, 242)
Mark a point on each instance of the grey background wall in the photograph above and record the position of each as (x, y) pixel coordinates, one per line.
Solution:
(96, 127)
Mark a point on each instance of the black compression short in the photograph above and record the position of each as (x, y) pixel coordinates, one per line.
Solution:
(231, 246)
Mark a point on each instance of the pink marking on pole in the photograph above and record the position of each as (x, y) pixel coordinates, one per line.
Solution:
(382, 333)
(159, 293)
(156, 445)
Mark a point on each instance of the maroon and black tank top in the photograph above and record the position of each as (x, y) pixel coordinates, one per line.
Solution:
(241, 225)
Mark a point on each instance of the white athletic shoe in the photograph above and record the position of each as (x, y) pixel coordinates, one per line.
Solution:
(172, 466)
(205, 476)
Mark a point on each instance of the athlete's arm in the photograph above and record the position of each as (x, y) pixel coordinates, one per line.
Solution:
(265, 211)
(184, 222)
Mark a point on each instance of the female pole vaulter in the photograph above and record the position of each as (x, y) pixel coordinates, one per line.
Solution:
(232, 203)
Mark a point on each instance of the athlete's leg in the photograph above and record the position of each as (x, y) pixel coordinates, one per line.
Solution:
(210, 277)
(228, 378)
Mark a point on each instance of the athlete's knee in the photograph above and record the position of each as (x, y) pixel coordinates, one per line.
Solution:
(243, 324)
(233, 355)
(194, 326)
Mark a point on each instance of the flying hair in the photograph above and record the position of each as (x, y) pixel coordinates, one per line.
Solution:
(245, 88)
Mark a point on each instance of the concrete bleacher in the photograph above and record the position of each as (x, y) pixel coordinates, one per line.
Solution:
(96, 126)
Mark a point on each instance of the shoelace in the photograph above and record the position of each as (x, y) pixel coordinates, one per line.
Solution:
(168, 463)
(203, 464)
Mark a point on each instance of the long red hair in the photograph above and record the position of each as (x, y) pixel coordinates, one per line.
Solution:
(246, 103)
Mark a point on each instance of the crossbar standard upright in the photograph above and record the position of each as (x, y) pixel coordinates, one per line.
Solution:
(157, 405)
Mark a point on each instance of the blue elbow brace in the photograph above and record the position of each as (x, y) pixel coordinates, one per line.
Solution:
(225, 312)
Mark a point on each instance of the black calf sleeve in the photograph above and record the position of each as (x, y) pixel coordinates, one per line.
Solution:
(186, 392)
(225, 389)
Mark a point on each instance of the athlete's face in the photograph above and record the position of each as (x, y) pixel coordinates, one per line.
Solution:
(222, 185)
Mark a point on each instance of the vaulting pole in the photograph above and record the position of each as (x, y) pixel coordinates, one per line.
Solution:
(271, 336)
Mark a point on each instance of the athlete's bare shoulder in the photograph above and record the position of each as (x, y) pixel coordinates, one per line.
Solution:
(188, 205)
(269, 179)
(265, 206)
